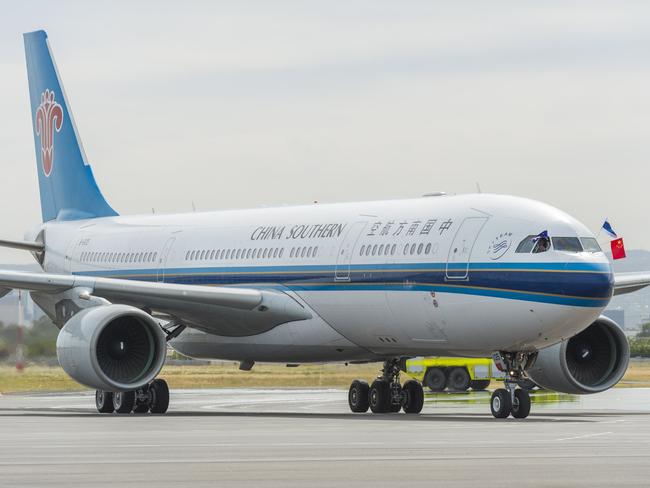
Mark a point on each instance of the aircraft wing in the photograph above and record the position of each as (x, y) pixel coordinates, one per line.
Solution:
(629, 282)
(233, 311)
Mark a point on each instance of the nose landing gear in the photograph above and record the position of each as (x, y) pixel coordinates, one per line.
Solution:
(386, 394)
(512, 400)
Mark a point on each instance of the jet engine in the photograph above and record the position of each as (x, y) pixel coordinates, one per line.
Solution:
(590, 362)
(112, 347)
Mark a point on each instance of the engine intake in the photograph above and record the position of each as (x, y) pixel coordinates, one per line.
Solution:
(590, 362)
(112, 348)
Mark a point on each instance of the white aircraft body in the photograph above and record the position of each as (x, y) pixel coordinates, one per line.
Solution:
(467, 275)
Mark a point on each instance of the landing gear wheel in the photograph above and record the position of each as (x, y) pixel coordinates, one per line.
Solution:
(459, 379)
(159, 396)
(413, 397)
(104, 401)
(435, 379)
(478, 385)
(358, 396)
(500, 403)
(123, 401)
(521, 405)
(379, 396)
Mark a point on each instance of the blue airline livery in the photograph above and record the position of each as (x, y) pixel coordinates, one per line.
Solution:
(381, 281)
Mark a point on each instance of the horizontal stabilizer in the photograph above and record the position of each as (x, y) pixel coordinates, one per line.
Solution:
(24, 245)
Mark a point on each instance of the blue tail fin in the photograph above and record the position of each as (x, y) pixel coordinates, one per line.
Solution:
(67, 185)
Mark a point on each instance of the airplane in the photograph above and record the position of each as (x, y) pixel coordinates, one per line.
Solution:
(381, 281)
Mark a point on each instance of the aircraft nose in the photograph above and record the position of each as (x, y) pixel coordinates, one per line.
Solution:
(589, 277)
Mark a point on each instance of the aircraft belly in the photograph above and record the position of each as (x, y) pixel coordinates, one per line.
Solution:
(304, 341)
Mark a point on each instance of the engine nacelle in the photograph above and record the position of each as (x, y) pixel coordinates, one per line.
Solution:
(112, 347)
(590, 362)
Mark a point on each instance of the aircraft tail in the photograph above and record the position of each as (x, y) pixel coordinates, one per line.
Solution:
(67, 185)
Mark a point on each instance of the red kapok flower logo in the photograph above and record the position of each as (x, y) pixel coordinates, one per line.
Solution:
(49, 118)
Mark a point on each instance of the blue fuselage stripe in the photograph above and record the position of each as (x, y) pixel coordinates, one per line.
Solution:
(579, 284)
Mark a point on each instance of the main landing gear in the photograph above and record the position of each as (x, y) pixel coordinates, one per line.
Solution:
(153, 398)
(386, 394)
(512, 400)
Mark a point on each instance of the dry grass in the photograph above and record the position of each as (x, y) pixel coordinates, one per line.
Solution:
(226, 375)
(43, 378)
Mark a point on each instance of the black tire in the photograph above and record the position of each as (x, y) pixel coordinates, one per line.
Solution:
(435, 379)
(500, 403)
(159, 396)
(104, 401)
(526, 384)
(414, 397)
(521, 405)
(379, 396)
(123, 401)
(459, 379)
(358, 396)
(478, 385)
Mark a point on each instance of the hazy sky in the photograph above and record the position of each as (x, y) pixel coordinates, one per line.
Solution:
(242, 104)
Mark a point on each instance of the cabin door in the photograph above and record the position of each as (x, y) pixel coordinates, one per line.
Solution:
(460, 251)
(162, 260)
(344, 257)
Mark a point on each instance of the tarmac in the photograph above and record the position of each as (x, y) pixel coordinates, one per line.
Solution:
(308, 438)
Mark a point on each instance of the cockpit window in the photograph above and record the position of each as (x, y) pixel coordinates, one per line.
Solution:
(526, 245)
(590, 244)
(534, 243)
(568, 244)
(542, 244)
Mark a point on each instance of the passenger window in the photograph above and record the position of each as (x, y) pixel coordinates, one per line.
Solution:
(374, 249)
(302, 254)
(412, 249)
(155, 254)
(313, 254)
(275, 252)
(589, 244)
(568, 244)
(420, 246)
(281, 252)
(192, 256)
(393, 249)
(406, 249)
(427, 249)
(368, 250)
(381, 250)
(238, 254)
(212, 254)
(363, 248)
(291, 252)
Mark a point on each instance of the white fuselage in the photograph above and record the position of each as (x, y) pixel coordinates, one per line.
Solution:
(435, 275)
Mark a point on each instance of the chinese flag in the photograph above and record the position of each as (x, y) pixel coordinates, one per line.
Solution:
(618, 249)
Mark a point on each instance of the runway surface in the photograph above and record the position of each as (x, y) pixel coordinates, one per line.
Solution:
(308, 438)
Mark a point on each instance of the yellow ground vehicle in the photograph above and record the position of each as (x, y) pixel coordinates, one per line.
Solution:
(457, 374)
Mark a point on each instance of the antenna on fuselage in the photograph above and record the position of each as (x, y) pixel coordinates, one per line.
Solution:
(478, 188)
